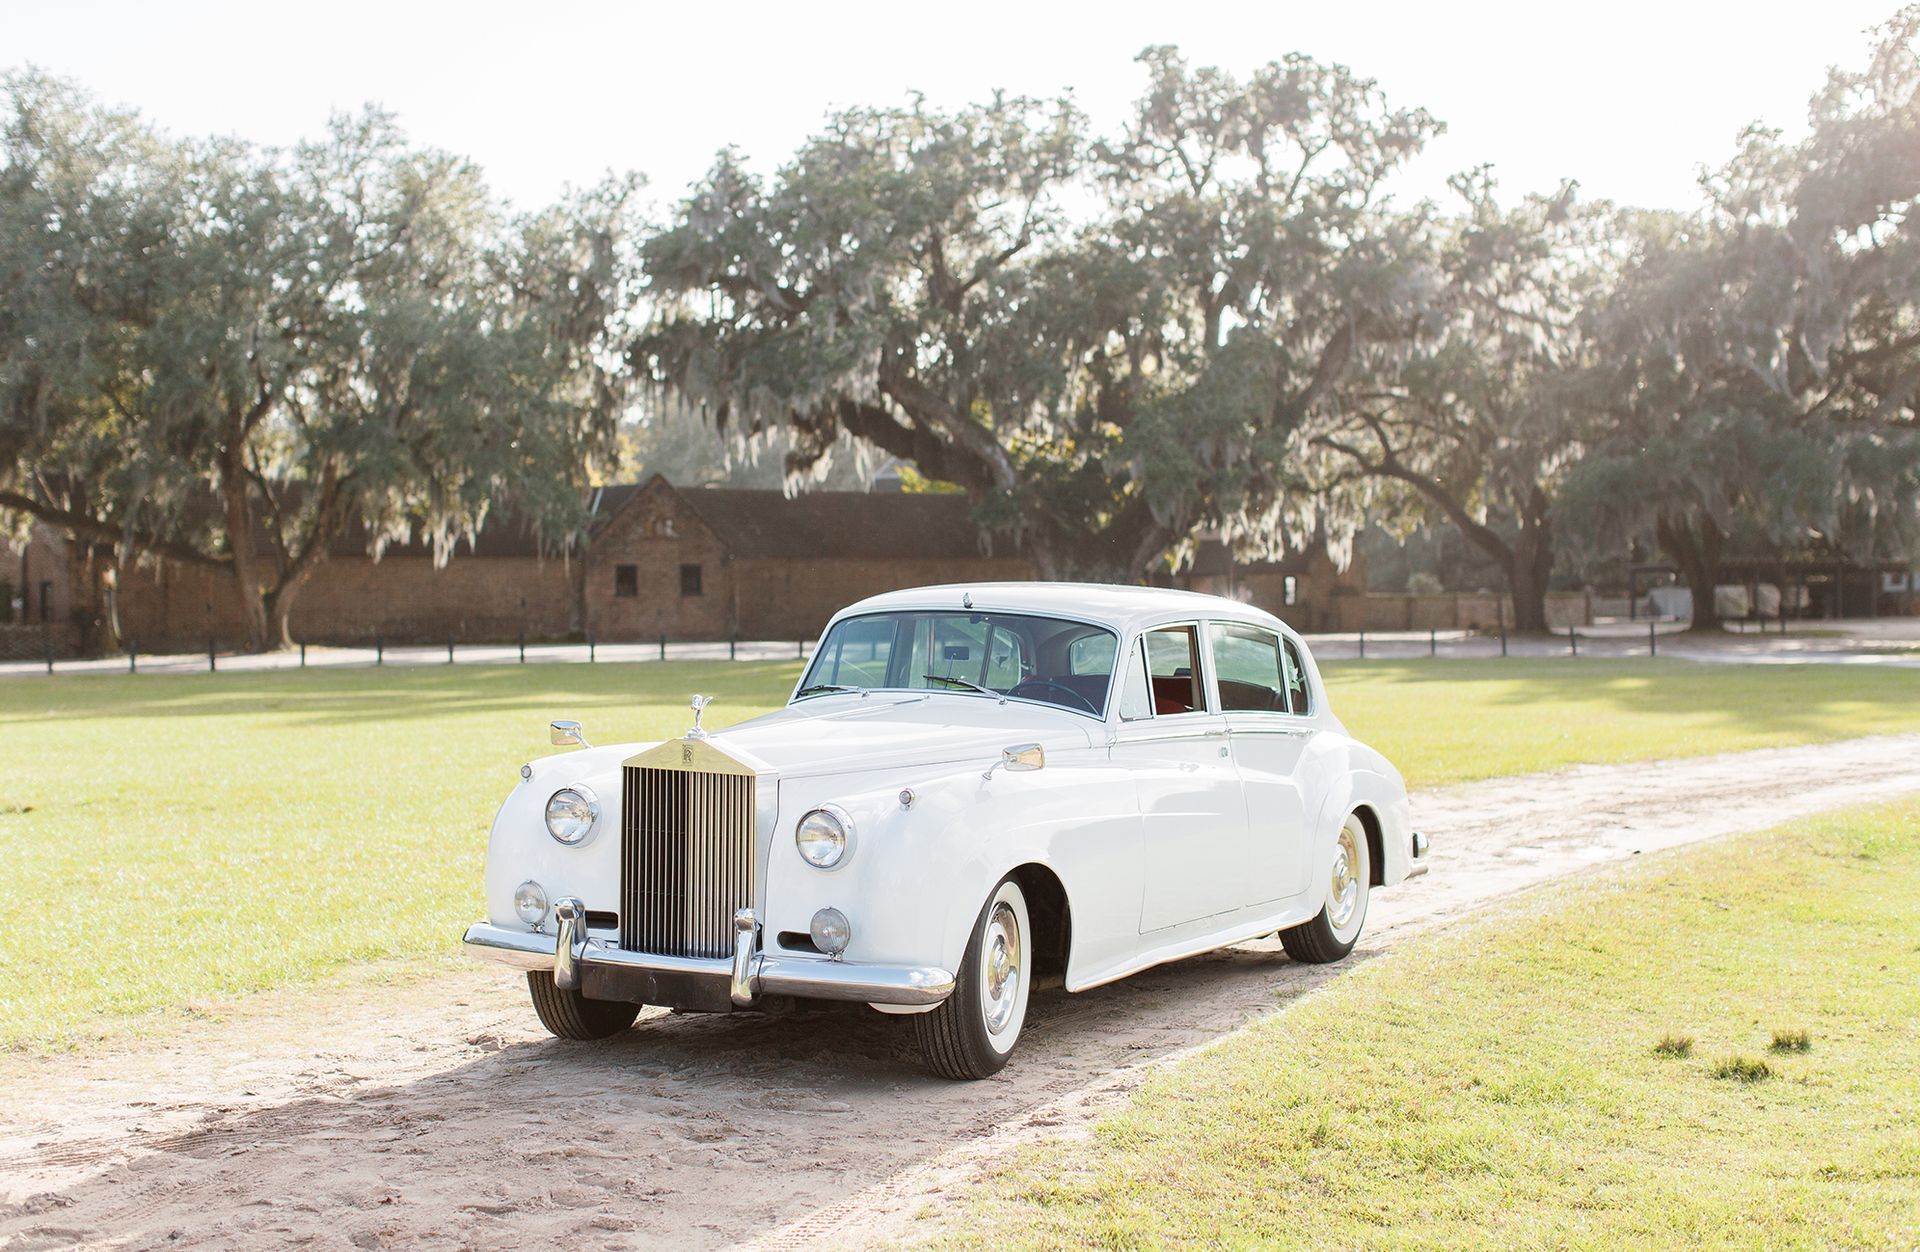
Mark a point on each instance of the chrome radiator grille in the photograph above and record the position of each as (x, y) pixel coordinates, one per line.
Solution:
(686, 859)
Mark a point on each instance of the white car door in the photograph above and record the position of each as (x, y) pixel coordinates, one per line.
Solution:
(1263, 699)
(1175, 746)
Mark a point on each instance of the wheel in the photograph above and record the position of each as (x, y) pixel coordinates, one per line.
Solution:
(1333, 933)
(571, 1015)
(972, 1033)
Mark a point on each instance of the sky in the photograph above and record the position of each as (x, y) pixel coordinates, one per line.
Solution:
(1630, 97)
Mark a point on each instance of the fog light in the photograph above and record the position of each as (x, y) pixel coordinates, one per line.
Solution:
(530, 902)
(831, 931)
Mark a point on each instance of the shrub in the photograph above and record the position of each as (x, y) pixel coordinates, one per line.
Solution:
(1674, 1045)
(1742, 1069)
(1791, 1041)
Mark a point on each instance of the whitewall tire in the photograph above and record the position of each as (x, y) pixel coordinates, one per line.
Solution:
(974, 1030)
(1332, 934)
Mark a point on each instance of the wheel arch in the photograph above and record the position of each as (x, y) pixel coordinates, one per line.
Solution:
(1376, 845)
(1051, 913)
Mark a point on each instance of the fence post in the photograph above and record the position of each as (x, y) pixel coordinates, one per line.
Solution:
(1573, 642)
(212, 667)
(449, 649)
(46, 642)
(663, 645)
(1653, 642)
(132, 666)
(379, 648)
(303, 654)
(1433, 642)
(589, 647)
(733, 648)
(523, 647)
(799, 649)
(1363, 645)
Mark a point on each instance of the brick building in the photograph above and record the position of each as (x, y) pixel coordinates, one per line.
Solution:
(659, 560)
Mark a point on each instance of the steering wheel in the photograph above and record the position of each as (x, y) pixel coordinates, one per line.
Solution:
(1049, 683)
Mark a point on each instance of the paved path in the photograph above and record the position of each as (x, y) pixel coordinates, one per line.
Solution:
(435, 1112)
(1881, 642)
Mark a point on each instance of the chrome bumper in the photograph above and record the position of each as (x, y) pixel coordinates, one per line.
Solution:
(1421, 848)
(571, 954)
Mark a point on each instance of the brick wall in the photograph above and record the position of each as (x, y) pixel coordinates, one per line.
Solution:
(784, 599)
(353, 599)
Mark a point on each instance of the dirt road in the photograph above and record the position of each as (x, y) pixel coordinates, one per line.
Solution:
(438, 1114)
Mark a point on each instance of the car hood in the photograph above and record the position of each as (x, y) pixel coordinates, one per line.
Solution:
(842, 733)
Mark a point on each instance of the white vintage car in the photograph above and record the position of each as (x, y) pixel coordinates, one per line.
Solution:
(970, 788)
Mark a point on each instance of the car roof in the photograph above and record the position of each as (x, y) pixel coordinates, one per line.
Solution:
(1114, 604)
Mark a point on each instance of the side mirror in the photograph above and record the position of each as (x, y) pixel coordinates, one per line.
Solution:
(566, 734)
(1021, 758)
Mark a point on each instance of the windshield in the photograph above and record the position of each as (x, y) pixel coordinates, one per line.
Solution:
(1022, 657)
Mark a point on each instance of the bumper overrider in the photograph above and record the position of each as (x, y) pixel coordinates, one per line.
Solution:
(1421, 849)
(601, 971)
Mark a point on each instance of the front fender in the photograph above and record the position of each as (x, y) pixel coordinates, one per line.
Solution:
(917, 875)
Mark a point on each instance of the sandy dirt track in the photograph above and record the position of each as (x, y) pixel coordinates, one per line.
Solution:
(438, 1114)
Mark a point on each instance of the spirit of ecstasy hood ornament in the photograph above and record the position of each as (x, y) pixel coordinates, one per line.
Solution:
(699, 704)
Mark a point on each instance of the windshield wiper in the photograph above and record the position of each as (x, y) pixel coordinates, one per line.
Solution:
(822, 688)
(961, 682)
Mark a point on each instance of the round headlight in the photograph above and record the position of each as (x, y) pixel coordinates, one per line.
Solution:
(831, 931)
(571, 813)
(530, 902)
(822, 837)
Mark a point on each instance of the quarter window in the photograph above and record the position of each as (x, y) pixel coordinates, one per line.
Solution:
(1299, 699)
(626, 581)
(1136, 697)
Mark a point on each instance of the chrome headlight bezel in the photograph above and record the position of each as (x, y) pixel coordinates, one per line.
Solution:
(841, 849)
(576, 831)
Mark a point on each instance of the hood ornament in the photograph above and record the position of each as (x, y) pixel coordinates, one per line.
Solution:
(699, 704)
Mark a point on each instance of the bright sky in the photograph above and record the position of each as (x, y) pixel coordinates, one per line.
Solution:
(1630, 97)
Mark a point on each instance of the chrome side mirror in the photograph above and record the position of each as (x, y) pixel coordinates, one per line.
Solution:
(1021, 758)
(566, 734)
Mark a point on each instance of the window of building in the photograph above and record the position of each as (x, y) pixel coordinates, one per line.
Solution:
(1290, 592)
(626, 581)
(689, 580)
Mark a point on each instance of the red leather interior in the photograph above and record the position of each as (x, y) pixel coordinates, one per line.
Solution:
(1173, 695)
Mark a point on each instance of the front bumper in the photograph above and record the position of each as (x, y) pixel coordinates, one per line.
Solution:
(604, 972)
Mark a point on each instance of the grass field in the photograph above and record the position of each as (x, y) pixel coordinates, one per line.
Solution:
(225, 833)
(1713, 1047)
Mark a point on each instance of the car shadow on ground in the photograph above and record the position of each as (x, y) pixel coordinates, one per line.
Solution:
(689, 1129)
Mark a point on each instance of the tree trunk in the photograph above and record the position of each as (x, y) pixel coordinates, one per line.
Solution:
(1694, 545)
(1529, 564)
(238, 510)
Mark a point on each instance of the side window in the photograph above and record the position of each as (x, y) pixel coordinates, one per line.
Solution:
(1136, 698)
(1173, 667)
(1299, 699)
(1246, 660)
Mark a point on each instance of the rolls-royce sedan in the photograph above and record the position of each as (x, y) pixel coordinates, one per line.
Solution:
(970, 788)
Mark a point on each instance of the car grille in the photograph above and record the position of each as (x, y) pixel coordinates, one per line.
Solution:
(686, 859)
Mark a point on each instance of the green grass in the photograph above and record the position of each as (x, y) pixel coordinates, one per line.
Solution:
(1456, 721)
(225, 833)
(1520, 1080)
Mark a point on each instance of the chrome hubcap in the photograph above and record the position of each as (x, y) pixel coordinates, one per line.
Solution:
(1000, 968)
(1343, 893)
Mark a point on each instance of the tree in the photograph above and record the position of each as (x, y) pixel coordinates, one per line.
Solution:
(347, 335)
(1103, 386)
(1763, 352)
(1477, 420)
